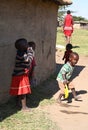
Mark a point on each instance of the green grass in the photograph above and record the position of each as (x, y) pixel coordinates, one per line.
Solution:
(34, 120)
(79, 40)
(11, 118)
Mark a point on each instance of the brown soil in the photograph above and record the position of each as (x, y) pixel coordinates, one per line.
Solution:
(74, 115)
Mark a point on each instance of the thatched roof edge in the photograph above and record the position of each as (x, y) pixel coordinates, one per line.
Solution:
(62, 2)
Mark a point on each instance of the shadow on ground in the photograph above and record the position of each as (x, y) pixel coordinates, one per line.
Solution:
(45, 90)
(74, 112)
(69, 100)
(7, 109)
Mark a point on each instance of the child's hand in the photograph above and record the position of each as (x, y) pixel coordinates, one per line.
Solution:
(30, 50)
(65, 82)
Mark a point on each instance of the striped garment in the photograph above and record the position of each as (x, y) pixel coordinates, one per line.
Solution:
(23, 62)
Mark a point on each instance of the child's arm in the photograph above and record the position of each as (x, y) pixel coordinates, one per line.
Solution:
(30, 54)
(64, 55)
(63, 58)
(65, 81)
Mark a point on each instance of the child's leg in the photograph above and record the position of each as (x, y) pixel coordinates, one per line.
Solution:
(74, 93)
(23, 101)
(71, 86)
(68, 39)
(59, 97)
(61, 91)
(18, 101)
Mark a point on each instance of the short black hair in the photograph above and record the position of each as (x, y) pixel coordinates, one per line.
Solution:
(69, 46)
(68, 11)
(32, 44)
(20, 43)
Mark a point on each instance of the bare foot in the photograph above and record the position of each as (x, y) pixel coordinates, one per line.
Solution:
(77, 98)
(58, 101)
(26, 109)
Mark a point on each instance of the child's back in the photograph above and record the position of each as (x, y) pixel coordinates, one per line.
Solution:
(67, 52)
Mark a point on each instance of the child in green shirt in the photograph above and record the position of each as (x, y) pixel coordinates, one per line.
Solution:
(65, 74)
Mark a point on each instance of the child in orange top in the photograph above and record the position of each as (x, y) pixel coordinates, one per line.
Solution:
(67, 52)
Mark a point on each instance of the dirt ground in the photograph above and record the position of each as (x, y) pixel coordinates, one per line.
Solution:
(74, 115)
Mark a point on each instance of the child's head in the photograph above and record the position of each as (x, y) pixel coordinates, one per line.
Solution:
(73, 58)
(68, 11)
(68, 46)
(21, 44)
(32, 44)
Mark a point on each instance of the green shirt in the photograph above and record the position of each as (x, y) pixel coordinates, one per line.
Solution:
(66, 70)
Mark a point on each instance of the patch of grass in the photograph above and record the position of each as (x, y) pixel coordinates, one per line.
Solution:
(11, 118)
(34, 120)
(79, 40)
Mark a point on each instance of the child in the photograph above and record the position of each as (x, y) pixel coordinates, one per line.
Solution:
(20, 85)
(67, 52)
(65, 74)
(33, 64)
